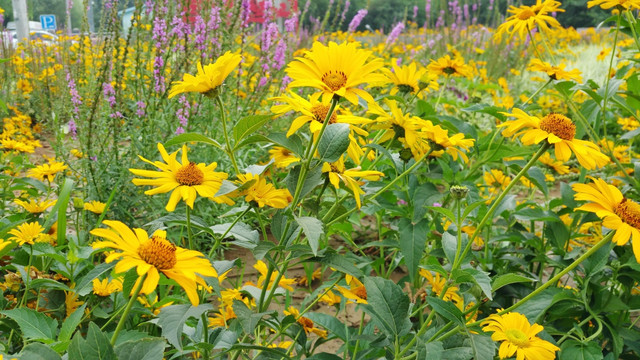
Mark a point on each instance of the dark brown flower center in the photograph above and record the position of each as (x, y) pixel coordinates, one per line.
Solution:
(449, 70)
(334, 80)
(320, 112)
(158, 252)
(360, 292)
(190, 175)
(306, 323)
(558, 125)
(629, 212)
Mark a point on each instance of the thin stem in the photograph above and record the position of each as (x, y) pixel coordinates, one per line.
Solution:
(537, 91)
(28, 278)
(497, 202)
(632, 22)
(189, 233)
(533, 43)
(219, 240)
(262, 227)
(446, 82)
(229, 150)
(608, 78)
(355, 350)
(134, 296)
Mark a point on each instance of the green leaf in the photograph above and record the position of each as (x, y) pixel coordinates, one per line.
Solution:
(71, 323)
(172, 318)
(60, 208)
(432, 350)
(334, 142)
(538, 305)
(85, 285)
(340, 263)
(37, 351)
(224, 339)
(242, 232)
(248, 319)
(192, 137)
(313, 179)
(425, 109)
(95, 346)
(249, 124)
(575, 350)
(388, 306)
(630, 135)
(446, 212)
(331, 323)
(482, 346)
(449, 245)
(34, 325)
(506, 279)
(446, 309)
(479, 278)
(313, 230)
(412, 239)
(537, 177)
(143, 349)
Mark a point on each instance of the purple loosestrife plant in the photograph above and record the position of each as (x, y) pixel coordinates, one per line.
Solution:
(357, 19)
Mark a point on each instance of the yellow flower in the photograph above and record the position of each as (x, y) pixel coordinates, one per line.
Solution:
(185, 180)
(618, 213)
(496, 179)
(95, 207)
(555, 72)
(337, 171)
(330, 298)
(262, 193)
(397, 125)
(262, 269)
(608, 4)
(406, 79)
(282, 157)
(105, 287)
(47, 170)
(518, 337)
(446, 66)
(28, 233)
(77, 153)
(154, 306)
(437, 284)
(227, 296)
(356, 293)
(336, 70)
(559, 131)
(526, 18)
(439, 138)
(10, 144)
(71, 302)
(557, 166)
(34, 206)
(222, 317)
(628, 124)
(4, 244)
(307, 324)
(209, 78)
(154, 255)
(603, 54)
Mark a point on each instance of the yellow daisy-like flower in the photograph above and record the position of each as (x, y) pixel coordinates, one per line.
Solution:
(307, 324)
(34, 206)
(10, 144)
(222, 317)
(404, 127)
(209, 77)
(4, 244)
(437, 284)
(282, 157)
(336, 70)
(28, 233)
(263, 270)
(330, 298)
(337, 171)
(71, 302)
(439, 138)
(153, 256)
(446, 66)
(526, 18)
(555, 72)
(105, 287)
(518, 337)
(618, 213)
(48, 171)
(356, 293)
(557, 166)
(262, 193)
(559, 131)
(184, 180)
(496, 179)
(95, 207)
(406, 79)
(608, 4)
(629, 123)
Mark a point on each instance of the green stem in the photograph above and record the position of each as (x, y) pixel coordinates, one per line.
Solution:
(229, 150)
(608, 78)
(189, 233)
(444, 86)
(632, 23)
(28, 278)
(497, 202)
(533, 43)
(219, 240)
(537, 91)
(355, 350)
(262, 227)
(134, 296)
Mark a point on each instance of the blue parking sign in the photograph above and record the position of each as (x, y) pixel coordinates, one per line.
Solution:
(48, 22)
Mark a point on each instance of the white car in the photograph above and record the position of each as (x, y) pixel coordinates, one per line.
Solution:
(11, 37)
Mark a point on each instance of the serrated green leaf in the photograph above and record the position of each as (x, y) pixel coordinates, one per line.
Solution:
(446, 212)
(311, 181)
(85, 284)
(575, 350)
(388, 306)
(143, 349)
(331, 323)
(192, 137)
(248, 125)
(446, 309)
(482, 346)
(95, 346)
(248, 319)
(340, 263)
(313, 230)
(481, 279)
(172, 318)
(506, 279)
(34, 325)
(334, 142)
(412, 240)
(245, 235)
(71, 323)
(537, 177)
(37, 351)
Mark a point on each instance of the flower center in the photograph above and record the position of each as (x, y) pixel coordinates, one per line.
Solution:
(158, 252)
(517, 337)
(334, 80)
(306, 323)
(558, 125)
(405, 88)
(320, 112)
(449, 70)
(629, 212)
(360, 292)
(526, 14)
(190, 175)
